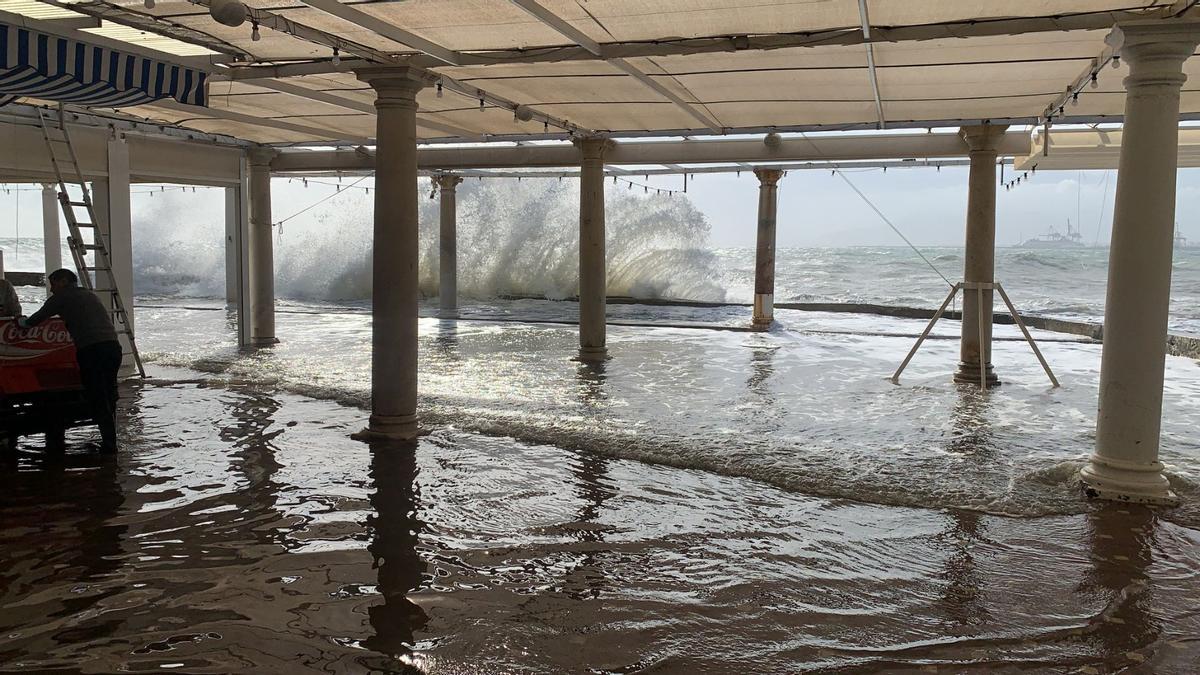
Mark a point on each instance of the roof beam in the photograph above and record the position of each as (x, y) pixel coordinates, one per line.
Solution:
(1103, 20)
(1057, 108)
(386, 29)
(559, 25)
(350, 104)
(252, 120)
(627, 154)
(552, 20)
(866, 31)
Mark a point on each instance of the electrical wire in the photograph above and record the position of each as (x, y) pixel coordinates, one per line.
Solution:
(881, 215)
(279, 223)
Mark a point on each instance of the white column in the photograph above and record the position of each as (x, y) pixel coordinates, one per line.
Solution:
(980, 256)
(1125, 464)
(448, 247)
(110, 200)
(764, 259)
(394, 291)
(51, 236)
(593, 281)
(233, 212)
(262, 249)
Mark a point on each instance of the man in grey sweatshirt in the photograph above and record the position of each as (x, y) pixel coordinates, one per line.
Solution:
(96, 348)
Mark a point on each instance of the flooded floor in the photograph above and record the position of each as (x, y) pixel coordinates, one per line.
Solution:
(240, 530)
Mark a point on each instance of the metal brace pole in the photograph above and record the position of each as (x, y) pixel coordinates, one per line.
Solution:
(1028, 338)
(937, 315)
(982, 342)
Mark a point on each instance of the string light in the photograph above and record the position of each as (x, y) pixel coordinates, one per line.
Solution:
(1116, 61)
(481, 102)
(254, 35)
(439, 89)
(1095, 80)
(149, 4)
(337, 57)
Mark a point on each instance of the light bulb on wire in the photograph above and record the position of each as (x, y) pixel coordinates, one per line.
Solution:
(149, 4)
(337, 57)
(254, 35)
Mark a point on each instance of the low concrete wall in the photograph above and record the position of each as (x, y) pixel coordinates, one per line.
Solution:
(25, 278)
(1177, 345)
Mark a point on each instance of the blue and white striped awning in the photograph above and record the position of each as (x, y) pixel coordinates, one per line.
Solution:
(53, 68)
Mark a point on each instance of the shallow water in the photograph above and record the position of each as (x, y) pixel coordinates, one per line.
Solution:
(241, 531)
(708, 500)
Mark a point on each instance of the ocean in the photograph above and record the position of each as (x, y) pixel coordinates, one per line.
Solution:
(707, 500)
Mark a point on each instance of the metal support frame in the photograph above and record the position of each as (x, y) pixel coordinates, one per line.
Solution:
(866, 30)
(978, 287)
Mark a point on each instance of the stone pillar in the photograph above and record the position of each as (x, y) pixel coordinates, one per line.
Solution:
(394, 262)
(593, 272)
(448, 247)
(111, 201)
(764, 259)
(262, 249)
(1125, 464)
(979, 263)
(51, 229)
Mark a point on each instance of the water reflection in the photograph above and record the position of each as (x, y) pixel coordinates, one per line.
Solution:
(394, 530)
(592, 376)
(1122, 539)
(765, 411)
(971, 425)
(446, 341)
(962, 596)
(59, 529)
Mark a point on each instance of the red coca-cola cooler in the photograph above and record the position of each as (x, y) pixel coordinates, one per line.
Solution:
(39, 383)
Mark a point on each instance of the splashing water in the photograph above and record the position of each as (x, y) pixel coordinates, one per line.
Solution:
(514, 238)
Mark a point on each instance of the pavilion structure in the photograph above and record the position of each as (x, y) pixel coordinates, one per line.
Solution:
(231, 92)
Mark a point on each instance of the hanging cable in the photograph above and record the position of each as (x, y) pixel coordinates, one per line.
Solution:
(874, 208)
(320, 201)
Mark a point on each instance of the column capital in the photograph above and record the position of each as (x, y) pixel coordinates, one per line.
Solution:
(768, 176)
(396, 85)
(1155, 50)
(261, 156)
(594, 147)
(982, 137)
(447, 181)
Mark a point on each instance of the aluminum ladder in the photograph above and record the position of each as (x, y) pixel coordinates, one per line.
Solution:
(62, 154)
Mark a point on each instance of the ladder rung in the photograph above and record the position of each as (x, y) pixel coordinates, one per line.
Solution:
(91, 247)
(85, 224)
(79, 203)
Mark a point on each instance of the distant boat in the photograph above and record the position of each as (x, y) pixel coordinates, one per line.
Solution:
(1181, 241)
(1055, 239)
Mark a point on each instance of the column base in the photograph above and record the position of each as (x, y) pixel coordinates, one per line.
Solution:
(263, 341)
(445, 313)
(389, 429)
(1115, 480)
(968, 373)
(764, 311)
(589, 354)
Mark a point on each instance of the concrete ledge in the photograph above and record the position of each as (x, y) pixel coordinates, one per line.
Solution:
(26, 278)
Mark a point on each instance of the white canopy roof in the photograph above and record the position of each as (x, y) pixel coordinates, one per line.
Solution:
(632, 67)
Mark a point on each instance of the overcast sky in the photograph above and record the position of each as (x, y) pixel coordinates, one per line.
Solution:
(815, 207)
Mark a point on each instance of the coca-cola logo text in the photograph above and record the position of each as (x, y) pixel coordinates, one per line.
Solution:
(48, 333)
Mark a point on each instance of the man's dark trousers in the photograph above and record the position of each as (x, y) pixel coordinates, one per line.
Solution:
(98, 366)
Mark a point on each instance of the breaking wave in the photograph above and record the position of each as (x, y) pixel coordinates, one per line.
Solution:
(514, 238)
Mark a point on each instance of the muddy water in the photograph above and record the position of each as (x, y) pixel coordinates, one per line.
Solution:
(708, 501)
(243, 532)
